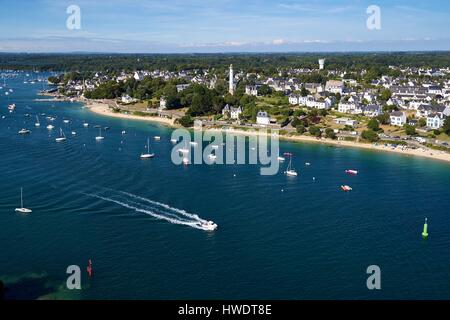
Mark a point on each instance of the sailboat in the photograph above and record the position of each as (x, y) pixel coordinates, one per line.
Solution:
(37, 124)
(62, 136)
(147, 155)
(290, 171)
(22, 209)
(98, 138)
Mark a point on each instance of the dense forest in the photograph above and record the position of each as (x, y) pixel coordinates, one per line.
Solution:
(251, 62)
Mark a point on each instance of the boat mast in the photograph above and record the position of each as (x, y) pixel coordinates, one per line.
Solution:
(21, 197)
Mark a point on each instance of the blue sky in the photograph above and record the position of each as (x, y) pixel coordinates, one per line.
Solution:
(223, 25)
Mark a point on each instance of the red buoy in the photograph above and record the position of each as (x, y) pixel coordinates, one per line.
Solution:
(89, 269)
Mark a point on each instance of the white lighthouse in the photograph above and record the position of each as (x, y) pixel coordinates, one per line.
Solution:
(231, 81)
(321, 64)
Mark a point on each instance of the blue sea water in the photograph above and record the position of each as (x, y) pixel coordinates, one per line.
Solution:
(309, 241)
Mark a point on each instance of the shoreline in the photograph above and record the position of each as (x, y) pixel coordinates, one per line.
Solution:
(102, 108)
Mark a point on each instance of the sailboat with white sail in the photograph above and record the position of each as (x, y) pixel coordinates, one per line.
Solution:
(62, 136)
(147, 155)
(99, 137)
(22, 209)
(290, 171)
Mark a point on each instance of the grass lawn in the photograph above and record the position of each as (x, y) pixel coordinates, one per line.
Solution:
(443, 137)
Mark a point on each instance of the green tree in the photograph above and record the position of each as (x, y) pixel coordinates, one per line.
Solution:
(315, 131)
(373, 125)
(422, 122)
(330, 134)
(385, 94)
(370, 135)
(300, 128)
(304, 92)
(409, 130)
(383, 118)
(186, 121)
(446, 126)
(264, 90)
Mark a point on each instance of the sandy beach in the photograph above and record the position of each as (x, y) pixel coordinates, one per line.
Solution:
(421, 152)
(103, 109)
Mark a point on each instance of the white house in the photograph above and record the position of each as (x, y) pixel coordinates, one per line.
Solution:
(319, 104)
(138, 76)
(398, 118)
(346, 121)
(162, 103)
(334, 86)
(434, 121)
(252, 90)
(127, 99)
(372, 110)
(293, 99)
(262, 118)
(181, 87)
(232, 111)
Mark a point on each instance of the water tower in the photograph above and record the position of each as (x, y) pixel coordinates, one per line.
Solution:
(321, 64)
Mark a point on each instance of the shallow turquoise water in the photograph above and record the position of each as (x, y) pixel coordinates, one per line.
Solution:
(309, 241)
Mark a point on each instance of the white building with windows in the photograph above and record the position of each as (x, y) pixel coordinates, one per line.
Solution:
(127, 99)
(252, 90)
(334, 86)
(233, 112)
(435, 121)
(262, 118)
(162, 103)
(397, 118)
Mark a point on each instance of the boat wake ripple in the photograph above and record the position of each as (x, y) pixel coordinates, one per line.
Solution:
(155, 209)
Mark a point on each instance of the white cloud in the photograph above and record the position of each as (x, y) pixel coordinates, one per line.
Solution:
(278, 42)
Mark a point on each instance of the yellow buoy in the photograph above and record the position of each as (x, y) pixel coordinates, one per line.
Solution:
(425, 229)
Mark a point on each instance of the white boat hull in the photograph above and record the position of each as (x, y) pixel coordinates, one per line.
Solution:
(23, 210)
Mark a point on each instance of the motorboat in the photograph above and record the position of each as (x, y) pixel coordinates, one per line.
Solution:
(50, 127)
(24, 131)
(346, 188)
(352, 172)
(207, 225)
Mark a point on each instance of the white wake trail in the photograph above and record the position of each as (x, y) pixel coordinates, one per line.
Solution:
(193, 224)
(163, 205)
